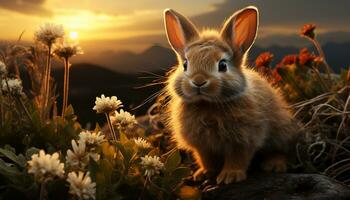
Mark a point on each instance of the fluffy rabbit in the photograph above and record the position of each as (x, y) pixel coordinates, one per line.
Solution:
(220, 110)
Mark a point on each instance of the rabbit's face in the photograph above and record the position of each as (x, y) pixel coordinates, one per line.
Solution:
(209, 71)
(210, 63)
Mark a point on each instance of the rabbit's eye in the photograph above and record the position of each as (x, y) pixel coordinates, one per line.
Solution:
(185, 65)
(222, 66)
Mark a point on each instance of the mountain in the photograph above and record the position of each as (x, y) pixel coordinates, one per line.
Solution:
(154, 58)
(157, 58)
(88, 81)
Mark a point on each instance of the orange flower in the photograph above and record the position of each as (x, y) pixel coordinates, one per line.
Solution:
(305, 57)
(264, 59)
(276, 76)
(318, 60)
(308, 31)
(289, 59)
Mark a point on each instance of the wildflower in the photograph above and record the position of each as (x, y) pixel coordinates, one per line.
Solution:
(152, 165)
(107, 104)
(3, 70)
(14, 86)
(142, 143)
(308, 31)
(264, 59)
(49, 33)
(91, 138)
(289, 60)
(305, 57)
(276, 76)
(123, 119)
(81, 185)
(67, 50)
(45, 166)
(79, 157)
(318, 60)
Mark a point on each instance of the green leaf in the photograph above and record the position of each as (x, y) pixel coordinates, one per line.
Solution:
(8, 170)
(97, 128)
(19, 160)
(31, 151)
(174, 179)
(8, 147)
(182, 172)
(124, 151)
(173, 160)
(93, 166)
(123, 138)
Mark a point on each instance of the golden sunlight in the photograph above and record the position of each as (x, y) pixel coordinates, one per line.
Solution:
(73, 35)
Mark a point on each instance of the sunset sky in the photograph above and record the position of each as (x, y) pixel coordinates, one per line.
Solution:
(136, 24)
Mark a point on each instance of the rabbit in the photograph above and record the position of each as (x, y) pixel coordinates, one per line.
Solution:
(219, 109)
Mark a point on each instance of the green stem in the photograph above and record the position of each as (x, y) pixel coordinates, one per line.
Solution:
(143, 189)
(47, 79)
(43, 193)
(25, 109)
(2, 110)
(321, 53)
(65, 87)
(114, 137)
(323, 83)
(296, 87)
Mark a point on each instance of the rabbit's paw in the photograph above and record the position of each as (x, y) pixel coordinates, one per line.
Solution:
(231, 175)
(275, 164)
(199, 174)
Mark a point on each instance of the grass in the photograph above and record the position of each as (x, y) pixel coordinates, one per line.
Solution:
(127, 166)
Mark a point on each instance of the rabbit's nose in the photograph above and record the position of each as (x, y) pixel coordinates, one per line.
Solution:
(199, 81)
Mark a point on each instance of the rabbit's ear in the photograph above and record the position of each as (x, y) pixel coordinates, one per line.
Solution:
(240, 29)
(179, 30)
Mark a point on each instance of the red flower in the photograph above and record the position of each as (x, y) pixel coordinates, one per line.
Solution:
(276, 76)
(289, 60)
(308, 31)
(305, 57)
(264, 59)
(318, 60)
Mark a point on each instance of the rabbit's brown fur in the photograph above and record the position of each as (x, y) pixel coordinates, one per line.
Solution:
(236, 113)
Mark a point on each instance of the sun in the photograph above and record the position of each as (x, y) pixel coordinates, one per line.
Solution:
(73, 35)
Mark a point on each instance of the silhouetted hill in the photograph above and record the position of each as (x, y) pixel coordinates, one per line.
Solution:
(157, 57)
(88, 81)
(154, 58)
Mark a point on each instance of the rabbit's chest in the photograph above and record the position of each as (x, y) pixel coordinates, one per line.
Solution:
(203, 128)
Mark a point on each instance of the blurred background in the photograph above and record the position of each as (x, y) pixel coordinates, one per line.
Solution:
(125, 44)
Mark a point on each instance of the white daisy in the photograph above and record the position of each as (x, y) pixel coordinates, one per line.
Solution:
(48, 33)
(107, 104)
(3, 70)
(152, 165)
(81, 185)
(14, 85)
(79, 157)
(123, 119)
(66, 50)
(45, 166)
(142, 143)
(91, 138)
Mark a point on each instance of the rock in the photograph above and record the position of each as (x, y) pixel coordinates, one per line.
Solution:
(264, 186)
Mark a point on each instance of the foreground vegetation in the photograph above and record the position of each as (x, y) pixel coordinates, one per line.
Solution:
(45, 153)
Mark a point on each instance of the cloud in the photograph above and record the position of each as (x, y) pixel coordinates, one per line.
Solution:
(29, 7)
(283, 13)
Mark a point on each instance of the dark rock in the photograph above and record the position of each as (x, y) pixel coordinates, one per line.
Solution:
(281, 186)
